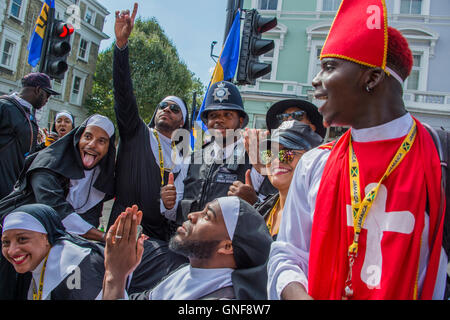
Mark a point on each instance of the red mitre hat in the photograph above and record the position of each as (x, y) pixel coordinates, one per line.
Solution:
(359, 33)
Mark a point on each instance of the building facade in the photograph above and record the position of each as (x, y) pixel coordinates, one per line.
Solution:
(301, 32)
(17, 19)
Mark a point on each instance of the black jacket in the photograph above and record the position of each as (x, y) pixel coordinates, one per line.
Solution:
(138, 177)
(208, 181)
(18, 135)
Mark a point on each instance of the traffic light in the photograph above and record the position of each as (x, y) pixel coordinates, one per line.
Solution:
(58, 48)
(252, 46)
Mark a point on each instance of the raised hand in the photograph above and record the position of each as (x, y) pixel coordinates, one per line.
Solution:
(169, 193)
(252, 139)
(245, 191)
(124, 25)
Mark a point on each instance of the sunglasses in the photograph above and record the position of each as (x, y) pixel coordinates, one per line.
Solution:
(297, 115)
(173, 107)
(284, 155)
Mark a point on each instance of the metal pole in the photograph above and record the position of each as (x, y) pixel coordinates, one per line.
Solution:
(232, 7)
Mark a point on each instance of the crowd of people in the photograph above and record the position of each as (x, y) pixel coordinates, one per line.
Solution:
(253, 214)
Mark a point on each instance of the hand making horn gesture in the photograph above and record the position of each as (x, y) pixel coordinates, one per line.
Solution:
(169, 193)
(124, 25)
(245, 191)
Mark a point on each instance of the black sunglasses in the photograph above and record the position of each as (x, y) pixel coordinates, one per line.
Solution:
(173, 107)
(297, 115)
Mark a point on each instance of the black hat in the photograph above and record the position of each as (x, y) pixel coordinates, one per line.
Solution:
(38, 79)
(224, 95)
(295, 135)
(311, 111)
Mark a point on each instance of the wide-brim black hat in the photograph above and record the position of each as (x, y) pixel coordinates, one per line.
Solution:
(295, 135)
(311, 111)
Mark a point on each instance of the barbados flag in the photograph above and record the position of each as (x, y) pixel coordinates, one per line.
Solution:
(37, 38)
(225, 68)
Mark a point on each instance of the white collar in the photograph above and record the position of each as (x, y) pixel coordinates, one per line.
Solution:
(228, 151)
(190, 283)
(62, 260)
(390, 130)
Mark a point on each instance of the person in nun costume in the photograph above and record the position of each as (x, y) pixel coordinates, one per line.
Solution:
(141, 169)
(50, 263)
(227, 244)
(74, 176)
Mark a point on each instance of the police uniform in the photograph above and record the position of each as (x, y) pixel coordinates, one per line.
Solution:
(212, 177)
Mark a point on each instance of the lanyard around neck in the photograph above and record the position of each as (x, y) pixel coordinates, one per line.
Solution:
(161, 157)
(38, 295)
(360, 209)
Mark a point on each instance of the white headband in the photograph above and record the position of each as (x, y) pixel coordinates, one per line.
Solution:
(63, 114)
(102, 122)
(23, 221)
(179, 102)
(230, 211)
(395, 75)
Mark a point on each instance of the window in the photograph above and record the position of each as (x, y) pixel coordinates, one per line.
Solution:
(268, 4)
(7, 53)
(16, 5)
(318, 64)
(89, 16)
(330, 5)
(57, 85)
(75, 95)
(17, 9)
(83, 50)
(10, 41)
(259, 121)
(413, 81)
(51, 118)
(411, 6)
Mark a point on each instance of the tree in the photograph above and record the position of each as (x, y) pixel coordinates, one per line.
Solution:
(156, 71)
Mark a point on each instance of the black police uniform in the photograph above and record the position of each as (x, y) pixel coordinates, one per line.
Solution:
(210, 180)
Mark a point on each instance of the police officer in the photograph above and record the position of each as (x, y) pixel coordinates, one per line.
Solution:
(220, 162)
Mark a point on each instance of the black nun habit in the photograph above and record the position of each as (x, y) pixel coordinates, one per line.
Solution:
(50, 174)
(75, 266)
(138, 176)
(251, 245)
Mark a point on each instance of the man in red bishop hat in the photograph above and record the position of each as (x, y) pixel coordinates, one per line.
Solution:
(363, 218)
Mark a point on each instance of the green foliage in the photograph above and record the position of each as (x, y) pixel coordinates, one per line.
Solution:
(156, 72)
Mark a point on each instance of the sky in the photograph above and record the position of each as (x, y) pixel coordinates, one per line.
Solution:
(190, 25)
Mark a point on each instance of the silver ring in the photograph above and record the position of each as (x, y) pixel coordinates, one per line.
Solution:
(118, 237)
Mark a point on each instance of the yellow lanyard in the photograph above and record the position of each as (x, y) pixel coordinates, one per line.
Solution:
(161, 157)
(269, 222)
(361, 209)
(38, 295)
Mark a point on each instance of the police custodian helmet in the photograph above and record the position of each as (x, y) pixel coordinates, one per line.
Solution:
(224, 95)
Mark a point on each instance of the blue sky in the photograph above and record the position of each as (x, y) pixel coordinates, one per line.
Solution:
(191, 25)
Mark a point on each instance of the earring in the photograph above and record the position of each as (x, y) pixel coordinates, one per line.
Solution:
(368, 89)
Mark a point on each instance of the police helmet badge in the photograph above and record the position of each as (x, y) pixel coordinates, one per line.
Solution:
(221, 93)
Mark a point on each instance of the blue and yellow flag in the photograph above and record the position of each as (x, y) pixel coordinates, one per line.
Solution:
(226, 65)
(37, 38)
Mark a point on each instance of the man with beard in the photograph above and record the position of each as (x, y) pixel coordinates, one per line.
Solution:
(18, 126)
(227, 244)
(144, 158)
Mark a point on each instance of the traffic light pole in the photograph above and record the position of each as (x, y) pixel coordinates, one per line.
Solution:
(50, 18)
(232, 7)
